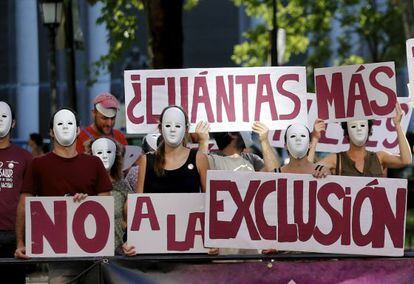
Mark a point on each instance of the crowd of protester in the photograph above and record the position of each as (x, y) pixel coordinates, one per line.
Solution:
(87, 161)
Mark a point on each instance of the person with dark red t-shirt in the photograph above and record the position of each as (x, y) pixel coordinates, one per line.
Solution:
(104, 115)
(14, 162)
(61, 172)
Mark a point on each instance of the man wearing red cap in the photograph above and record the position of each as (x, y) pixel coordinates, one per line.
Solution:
(104, 115)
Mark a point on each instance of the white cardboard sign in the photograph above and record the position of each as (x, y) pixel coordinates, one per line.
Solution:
(338, 214)
(166, 222)
(230, 99)
(60, 227)
(356, 91)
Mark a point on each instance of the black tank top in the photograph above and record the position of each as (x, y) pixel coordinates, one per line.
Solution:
(185, 179)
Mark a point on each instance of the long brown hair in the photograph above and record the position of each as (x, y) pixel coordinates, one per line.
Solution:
(160, 152)
(116, 169)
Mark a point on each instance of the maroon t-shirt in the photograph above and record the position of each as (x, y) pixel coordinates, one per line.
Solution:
(52, 175)
(14, 162)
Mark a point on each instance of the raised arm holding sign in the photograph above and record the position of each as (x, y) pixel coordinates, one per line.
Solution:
(383, 138)
(357, 161)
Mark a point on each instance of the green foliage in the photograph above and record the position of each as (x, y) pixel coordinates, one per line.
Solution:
(371, 31)
(379, 26)
(120, 18)
(190, 4)
(307, 25)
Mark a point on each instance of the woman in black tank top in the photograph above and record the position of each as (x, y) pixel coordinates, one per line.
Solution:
(172, 168)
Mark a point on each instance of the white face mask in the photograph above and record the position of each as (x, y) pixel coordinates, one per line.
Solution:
(297, 141)
(64, 127)
(105, 149)
(5, 119)
(173, 127)
(358, 132)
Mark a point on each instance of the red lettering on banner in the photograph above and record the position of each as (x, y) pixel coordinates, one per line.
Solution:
(200, 86)
(55, 232)
(139, 215)
(98, 212)
(172, 244)
(195, 217)
(337, 223)
(295, 99)
(405, 108)
(171, 90)
(370, 142)
(136, 86)
(309, 104)
(266, 231)
(263, 82)
(224, 100)
(392, 96)
(276, 135)
(391, 128)
(245, 81)
(184, 93)
(357, 81)
(346, 218)
(229, 229)
(325, 96)
(393, 223)
(327, 140)
(305, 230)
(191, 232)
(151, 82)
(286, 232)
(382, 216)
(360, 238)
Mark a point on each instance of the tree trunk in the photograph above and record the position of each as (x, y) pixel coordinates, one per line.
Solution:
(407, 7)
(165, 26)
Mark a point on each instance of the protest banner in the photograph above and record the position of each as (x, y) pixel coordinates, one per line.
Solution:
(356, 91)
(230, 99)
(60, 227)
(166, 223)
(338, 214)
(383, 137)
